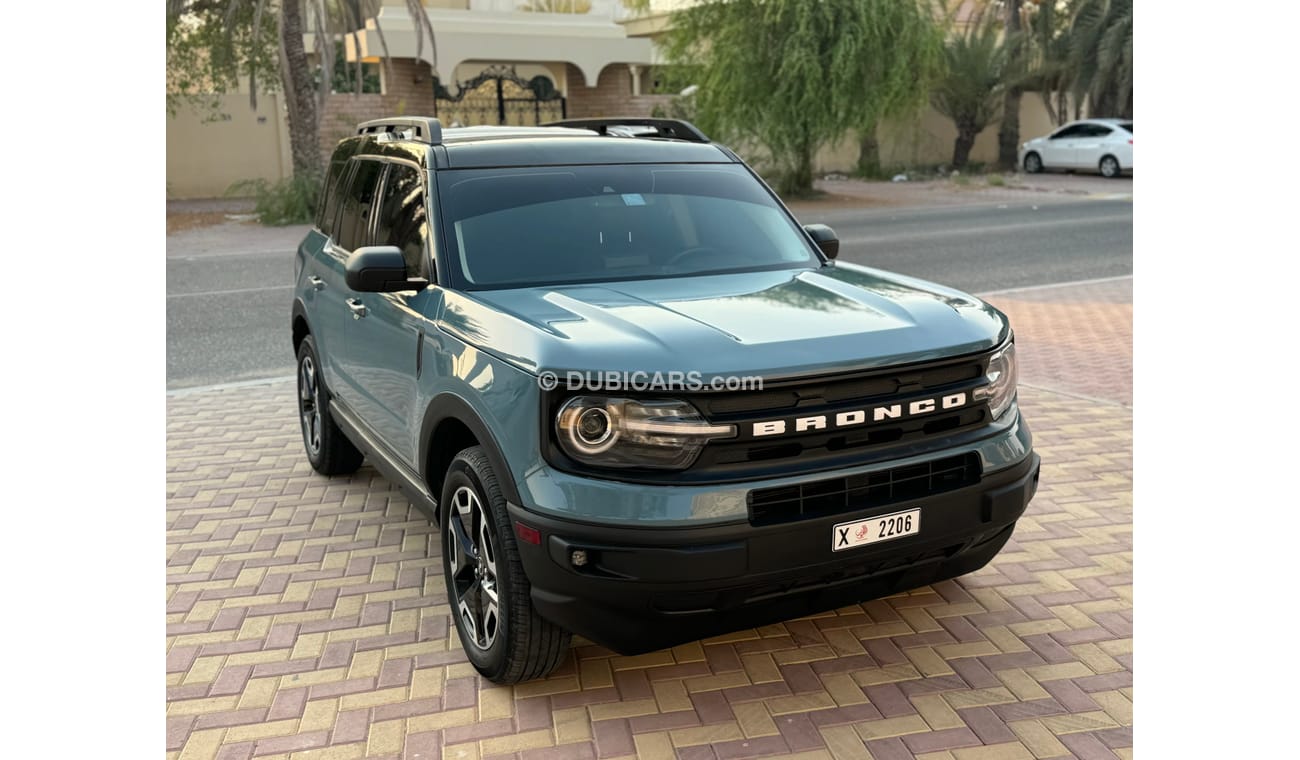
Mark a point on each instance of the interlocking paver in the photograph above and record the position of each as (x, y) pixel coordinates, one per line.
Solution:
(306, 617)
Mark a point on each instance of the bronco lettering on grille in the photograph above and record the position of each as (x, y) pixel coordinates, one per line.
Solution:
(882, 413)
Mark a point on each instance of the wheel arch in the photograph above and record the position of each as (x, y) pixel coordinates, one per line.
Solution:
(298, 321)
(450, 425)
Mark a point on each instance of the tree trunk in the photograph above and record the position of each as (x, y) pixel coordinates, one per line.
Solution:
(299, 93)
(1009, 132)
(797, 180)
(962, 147)
(869, 153)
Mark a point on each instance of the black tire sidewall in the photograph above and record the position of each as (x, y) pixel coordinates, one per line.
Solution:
(1101, 167)
(492, 660)
(1036, 158)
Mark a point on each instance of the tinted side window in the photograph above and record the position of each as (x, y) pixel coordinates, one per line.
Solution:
(354, 219)
(1097, 130)
(1074, 131)
(1128, 127)
(329, 200)
(402, 217)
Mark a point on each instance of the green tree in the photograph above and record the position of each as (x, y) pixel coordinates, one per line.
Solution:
(788, 76)
(974, 78)
(1101, 53)
(216, 46)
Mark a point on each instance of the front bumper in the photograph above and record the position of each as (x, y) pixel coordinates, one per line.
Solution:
(645, 588)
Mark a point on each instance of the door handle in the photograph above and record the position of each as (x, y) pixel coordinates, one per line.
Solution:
(358, 308)
(316, 283)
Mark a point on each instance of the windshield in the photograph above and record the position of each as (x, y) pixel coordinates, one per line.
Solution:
(520, 227)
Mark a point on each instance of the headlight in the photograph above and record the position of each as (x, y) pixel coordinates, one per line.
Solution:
(1001, 388)
(621, 432)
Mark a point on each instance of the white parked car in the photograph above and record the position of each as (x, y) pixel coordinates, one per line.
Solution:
(1103, 145)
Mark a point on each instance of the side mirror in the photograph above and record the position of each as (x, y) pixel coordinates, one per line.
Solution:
(379, 269)
(825, 239)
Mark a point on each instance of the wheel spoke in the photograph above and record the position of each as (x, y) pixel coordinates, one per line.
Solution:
(309, 404)
(486, 552)
(307, 386)
(472, 564)
(467, 613)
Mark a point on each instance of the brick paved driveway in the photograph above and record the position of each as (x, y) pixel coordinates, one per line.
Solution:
(306, 617)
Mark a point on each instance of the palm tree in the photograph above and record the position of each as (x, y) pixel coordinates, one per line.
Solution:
(1101, 49)
(1049, 67)
(1009, 132)
(972, 84)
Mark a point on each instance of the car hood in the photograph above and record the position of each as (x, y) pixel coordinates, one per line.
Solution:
(785, 323)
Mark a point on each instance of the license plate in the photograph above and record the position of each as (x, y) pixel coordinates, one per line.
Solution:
(850, 535)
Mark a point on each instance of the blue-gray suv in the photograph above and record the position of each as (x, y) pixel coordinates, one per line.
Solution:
(641, 402)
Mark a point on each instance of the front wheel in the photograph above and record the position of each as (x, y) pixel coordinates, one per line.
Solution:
(1033, 163)
(1109, 167)
(503, 636)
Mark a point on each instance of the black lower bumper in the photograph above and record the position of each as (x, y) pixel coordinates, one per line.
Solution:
(642, 589)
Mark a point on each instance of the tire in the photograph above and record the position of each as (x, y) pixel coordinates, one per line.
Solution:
(1109, 167)
(1033, 163)
(328, 448)
(506, 640)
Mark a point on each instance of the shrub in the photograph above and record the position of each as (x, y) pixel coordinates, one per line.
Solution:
(289, 201)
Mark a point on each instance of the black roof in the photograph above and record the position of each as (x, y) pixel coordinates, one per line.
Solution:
(607, 140)
(568, 147)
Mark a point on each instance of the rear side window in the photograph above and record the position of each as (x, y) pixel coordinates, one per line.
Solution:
(357, 200)
(1074, 131)
(1097, 130)
(1127, 127)
(329, 201)
(402, 219)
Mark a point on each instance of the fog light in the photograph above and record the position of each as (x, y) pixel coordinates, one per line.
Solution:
(578, 558)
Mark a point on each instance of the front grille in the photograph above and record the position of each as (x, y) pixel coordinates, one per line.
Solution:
(832, 496)
(798, 395)
(792, 452)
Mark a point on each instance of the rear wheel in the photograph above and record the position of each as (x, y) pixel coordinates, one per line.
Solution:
(328, 449)
(1033, 163)
(1109, 167)
(503, 636)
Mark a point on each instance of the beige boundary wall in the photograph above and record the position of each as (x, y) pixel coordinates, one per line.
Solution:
(929, 141)
(205, 157)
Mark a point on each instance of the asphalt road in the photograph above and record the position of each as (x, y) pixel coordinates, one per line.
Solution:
(228, 310)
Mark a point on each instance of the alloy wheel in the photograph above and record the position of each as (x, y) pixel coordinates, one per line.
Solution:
(1109, 167)
(309, 404)
(471, 557)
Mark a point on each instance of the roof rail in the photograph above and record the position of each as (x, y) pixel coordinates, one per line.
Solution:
(672, 128)
(423, 129)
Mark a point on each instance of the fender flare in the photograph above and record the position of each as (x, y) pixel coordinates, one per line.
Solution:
(450, 406)
(299, 310)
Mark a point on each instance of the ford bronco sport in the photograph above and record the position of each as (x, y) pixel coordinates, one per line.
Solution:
(525, 329)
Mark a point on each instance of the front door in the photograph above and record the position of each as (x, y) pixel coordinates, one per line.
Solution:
(351, 232)
(385, 338)
(1058, 152)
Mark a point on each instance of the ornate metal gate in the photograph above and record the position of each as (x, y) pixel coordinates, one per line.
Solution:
(499, 96)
